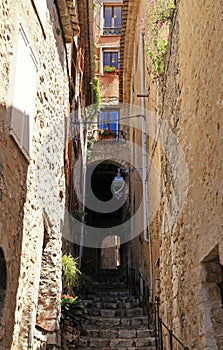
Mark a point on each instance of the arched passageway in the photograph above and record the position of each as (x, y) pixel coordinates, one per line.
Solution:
(109, 254)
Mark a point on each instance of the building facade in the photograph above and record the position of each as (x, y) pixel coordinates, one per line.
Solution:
(38, 70)
(184, 108)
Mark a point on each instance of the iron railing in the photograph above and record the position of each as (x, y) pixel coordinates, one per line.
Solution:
(112, 30)
(159, 325)
(140, 289)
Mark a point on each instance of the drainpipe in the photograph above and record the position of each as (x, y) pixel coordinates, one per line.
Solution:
(84, 136)
(147, 237)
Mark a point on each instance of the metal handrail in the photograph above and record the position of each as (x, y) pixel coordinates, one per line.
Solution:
(140, 288)
(159, 332)
(134, 279)
(172, 335)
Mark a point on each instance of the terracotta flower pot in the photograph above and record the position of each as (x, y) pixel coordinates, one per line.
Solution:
(106, 137)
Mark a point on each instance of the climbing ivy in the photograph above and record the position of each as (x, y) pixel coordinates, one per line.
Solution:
(97, 94)
(155, 29)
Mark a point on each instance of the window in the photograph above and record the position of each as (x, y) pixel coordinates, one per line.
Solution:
(108, 120)
(24, 94)
(112, 20)
(111, 58)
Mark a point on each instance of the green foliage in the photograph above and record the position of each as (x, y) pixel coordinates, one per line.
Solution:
(96, 63)
(97, 94)
(70, 273)
(94, 6)
(78, 214)
(155, 29)
(110, 69)
(72, 310)
(90, 143)
(157, 55)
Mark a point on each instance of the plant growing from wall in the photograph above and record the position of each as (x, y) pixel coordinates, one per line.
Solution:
(155, 29)
(97, 94)
(79, 214)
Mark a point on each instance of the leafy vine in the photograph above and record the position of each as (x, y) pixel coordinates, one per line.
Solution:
(155, 29)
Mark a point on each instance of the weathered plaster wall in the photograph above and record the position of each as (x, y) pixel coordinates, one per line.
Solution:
(191, 247)
(31, 234)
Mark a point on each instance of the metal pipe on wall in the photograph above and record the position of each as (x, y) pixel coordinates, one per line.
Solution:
(147, 236)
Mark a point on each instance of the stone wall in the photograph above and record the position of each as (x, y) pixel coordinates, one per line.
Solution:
(32, 191)
(191, 203)
(185, 145)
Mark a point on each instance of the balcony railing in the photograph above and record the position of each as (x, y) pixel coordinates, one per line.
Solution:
(112, 31)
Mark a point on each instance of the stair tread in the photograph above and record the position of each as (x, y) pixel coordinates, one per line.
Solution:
(121, 338)
(122, 348)
(126, 317)
(114, 320)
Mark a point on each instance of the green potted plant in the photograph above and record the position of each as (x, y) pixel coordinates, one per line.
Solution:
(72, 308)
(70, 273)
(72, 311)
(110, 70)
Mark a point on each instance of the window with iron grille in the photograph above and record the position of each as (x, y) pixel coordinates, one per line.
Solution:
(112, 20)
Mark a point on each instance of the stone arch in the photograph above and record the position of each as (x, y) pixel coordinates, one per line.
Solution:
(3, 281)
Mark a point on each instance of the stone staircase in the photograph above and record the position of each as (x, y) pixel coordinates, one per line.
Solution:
(114, 320)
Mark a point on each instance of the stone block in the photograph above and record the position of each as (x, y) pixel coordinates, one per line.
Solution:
(127, 333)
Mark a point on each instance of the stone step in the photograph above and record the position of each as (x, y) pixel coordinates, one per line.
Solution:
(118, 333)
(138, 322)
(124, 348)
(111, 305)
(115, 342)
(114, 320)
(111, 298)
(113, 285)
(114, 313)
(114, 293)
